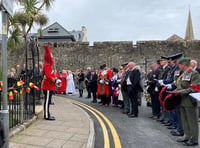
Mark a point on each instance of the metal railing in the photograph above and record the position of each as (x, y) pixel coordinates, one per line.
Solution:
(22, 106)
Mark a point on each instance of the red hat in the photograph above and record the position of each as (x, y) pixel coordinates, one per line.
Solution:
(48, 55)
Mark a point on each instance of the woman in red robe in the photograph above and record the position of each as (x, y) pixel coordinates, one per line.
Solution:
(64, 82)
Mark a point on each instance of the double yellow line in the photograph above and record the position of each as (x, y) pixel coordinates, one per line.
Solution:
(98, 114)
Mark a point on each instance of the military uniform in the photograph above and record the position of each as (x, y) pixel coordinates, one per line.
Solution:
(188, 105)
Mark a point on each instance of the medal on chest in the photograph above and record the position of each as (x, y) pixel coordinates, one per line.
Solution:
(186, 77)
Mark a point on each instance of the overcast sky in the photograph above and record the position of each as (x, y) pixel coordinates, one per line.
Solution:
(126, 20)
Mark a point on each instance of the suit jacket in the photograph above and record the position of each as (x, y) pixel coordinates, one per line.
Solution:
(134, 77)
(197, 69)
(152, 84)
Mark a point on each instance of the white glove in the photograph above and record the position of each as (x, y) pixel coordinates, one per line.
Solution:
(58, 81)
(113, 88)
(101, 81)
(169, 86)
(161, 82)
(156, 89)
(106, 82)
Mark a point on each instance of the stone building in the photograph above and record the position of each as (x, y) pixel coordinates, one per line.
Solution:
(56, 33)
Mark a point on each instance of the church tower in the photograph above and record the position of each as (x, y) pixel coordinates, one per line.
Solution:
(189, 35)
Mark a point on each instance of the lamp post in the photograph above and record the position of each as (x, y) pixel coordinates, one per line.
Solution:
(4, 113)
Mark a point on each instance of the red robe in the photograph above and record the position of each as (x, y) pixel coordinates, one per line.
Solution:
(106, 86)
(59, 76)
(49, 78)
(64, 82)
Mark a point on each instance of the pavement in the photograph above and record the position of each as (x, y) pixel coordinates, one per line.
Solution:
(73, 128)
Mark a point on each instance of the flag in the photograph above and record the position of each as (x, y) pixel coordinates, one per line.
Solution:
(10, 95)
(36, 88)
(31, 85)
(20, 83)
(28, 90)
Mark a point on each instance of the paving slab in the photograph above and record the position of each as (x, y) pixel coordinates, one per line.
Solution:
(71, 129)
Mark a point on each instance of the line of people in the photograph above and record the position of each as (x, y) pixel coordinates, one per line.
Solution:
(177, 75)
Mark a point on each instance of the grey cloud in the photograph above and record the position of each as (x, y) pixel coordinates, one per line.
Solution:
(127, 19)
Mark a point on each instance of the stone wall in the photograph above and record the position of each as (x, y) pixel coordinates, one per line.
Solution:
(81, 55)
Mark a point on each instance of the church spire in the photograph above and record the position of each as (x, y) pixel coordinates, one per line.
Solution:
(189, 35)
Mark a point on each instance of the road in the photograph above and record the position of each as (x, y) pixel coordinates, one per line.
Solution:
(141, 132)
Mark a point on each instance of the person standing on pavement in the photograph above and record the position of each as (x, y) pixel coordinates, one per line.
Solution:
(126, 98)
(104, 88)
(153, 90)
(163, 74)
(114, 87)
(87, 82)
(188, 105)
(80, 78)
(93, 84)
(133, 86)
(48, 82)
(70, 84)
(193, 64)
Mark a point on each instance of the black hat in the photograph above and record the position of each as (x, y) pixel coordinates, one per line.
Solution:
(175, 56)
(158, 61)
(101, 67)
(124, 64)
(163, 58)
(104, 65)
(115, 70)
(171, 102)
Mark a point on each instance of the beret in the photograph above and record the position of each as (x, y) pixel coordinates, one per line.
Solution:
(184, 60)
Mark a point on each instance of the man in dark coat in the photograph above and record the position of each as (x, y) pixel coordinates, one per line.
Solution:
(93, 84)
(87, 82)
(133, 86)
(153, 90)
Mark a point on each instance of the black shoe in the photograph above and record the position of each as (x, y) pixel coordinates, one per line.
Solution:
(129, 113)
(133, 116)
(177, 134)
(160, 120)
(189, 143)
(50, 118)
(123, 112)
(94, 101)
(165, 122)
(173, 131)
(52, 103)
(168, 124)
(171, 127)
(181, 140)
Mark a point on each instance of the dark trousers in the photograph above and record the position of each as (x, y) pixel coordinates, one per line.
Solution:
(173, 118)
(133, 100)
(47, 102)
(80, 92)
(179, 125)
(105, 99)
(126, 100)
(88, 91)
(94, 92)
(155, 105)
